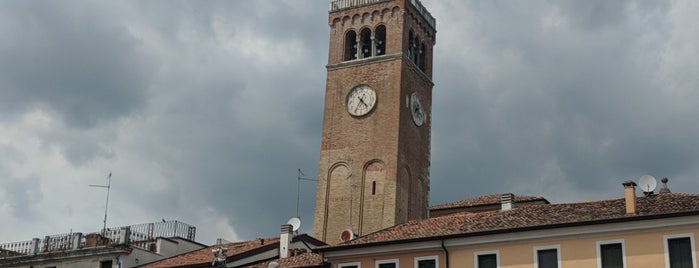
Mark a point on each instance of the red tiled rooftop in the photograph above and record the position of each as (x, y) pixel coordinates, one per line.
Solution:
(205, 256)
(305, 259)
(532, 217)
(485, 200)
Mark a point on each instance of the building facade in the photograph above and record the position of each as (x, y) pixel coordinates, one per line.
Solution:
(647, 231)
(289, 250)
(126, 246)
(375, 148)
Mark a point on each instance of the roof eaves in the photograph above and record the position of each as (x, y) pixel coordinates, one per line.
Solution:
(510, 230)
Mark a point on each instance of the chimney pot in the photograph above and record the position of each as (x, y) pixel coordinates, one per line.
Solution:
(507, 202)
(285, 240)
(665, 190)
(630, 197)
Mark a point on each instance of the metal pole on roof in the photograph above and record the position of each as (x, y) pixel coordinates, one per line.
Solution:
(106, 205)
(299, 178)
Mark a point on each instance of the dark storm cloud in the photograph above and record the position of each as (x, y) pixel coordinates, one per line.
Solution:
(557, 94)
(228, 125)
(68, 60)
(204, 111)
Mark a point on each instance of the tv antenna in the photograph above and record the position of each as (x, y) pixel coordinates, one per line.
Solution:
(300, 178)
(106, 205)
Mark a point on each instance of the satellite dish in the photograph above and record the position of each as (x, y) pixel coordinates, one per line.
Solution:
(295, 223)
(273, 264)
(648, 184)
(347, 235)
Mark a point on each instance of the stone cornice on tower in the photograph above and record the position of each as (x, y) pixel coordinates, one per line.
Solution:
(338, 5)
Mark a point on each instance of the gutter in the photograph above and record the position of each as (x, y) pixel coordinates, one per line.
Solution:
(446, 254)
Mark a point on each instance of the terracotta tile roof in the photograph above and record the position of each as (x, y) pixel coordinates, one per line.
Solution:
(204, 255)
(485, 200)
(305, 259)
(531, 217)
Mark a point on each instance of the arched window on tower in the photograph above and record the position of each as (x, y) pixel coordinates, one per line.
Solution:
(416, 51)
(350, 45)
(365, 43)
(410, 44)
(380, 39)
(423, 52)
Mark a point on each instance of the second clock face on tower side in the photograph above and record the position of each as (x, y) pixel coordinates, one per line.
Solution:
(361, 100)
(416, 109)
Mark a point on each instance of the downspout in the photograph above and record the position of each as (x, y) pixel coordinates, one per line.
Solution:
(446, 254)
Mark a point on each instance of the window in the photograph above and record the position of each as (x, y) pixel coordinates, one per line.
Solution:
(380, 38)
(679, 251)
(416, 51)
(423, 52)
(350, 265)
(610, 254)
(365, 43)
(547, 257)
(426, 262)
(486, 259)
(106, 264)
(410, 44)
(392, 263)
(350, 45)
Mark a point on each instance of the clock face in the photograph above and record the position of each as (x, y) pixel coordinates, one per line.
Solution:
(361, 100)
(416, 109)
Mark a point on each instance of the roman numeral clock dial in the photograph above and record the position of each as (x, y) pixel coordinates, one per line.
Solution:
(361, 100)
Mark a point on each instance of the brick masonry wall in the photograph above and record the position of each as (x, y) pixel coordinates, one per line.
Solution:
(374, 169)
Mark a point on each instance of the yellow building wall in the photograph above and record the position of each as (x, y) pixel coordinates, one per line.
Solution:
(405, 260)
(642, 249)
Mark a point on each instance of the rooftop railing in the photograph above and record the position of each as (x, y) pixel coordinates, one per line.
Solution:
(336, 5)
(343, 4)
(135, 235)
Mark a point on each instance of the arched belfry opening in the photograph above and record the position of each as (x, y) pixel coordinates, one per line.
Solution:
(366, 43)
(423, 52)
(411, 45)
(380, 40)
(417, 51)
(350, 45)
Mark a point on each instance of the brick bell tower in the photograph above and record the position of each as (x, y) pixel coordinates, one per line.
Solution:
(375, 148)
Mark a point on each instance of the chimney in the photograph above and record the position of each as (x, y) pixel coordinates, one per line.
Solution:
(285, 240)
(665, 190)
(630, 197)
(507, 201)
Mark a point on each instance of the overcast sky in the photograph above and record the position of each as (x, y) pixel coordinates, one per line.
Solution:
(203, 111)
